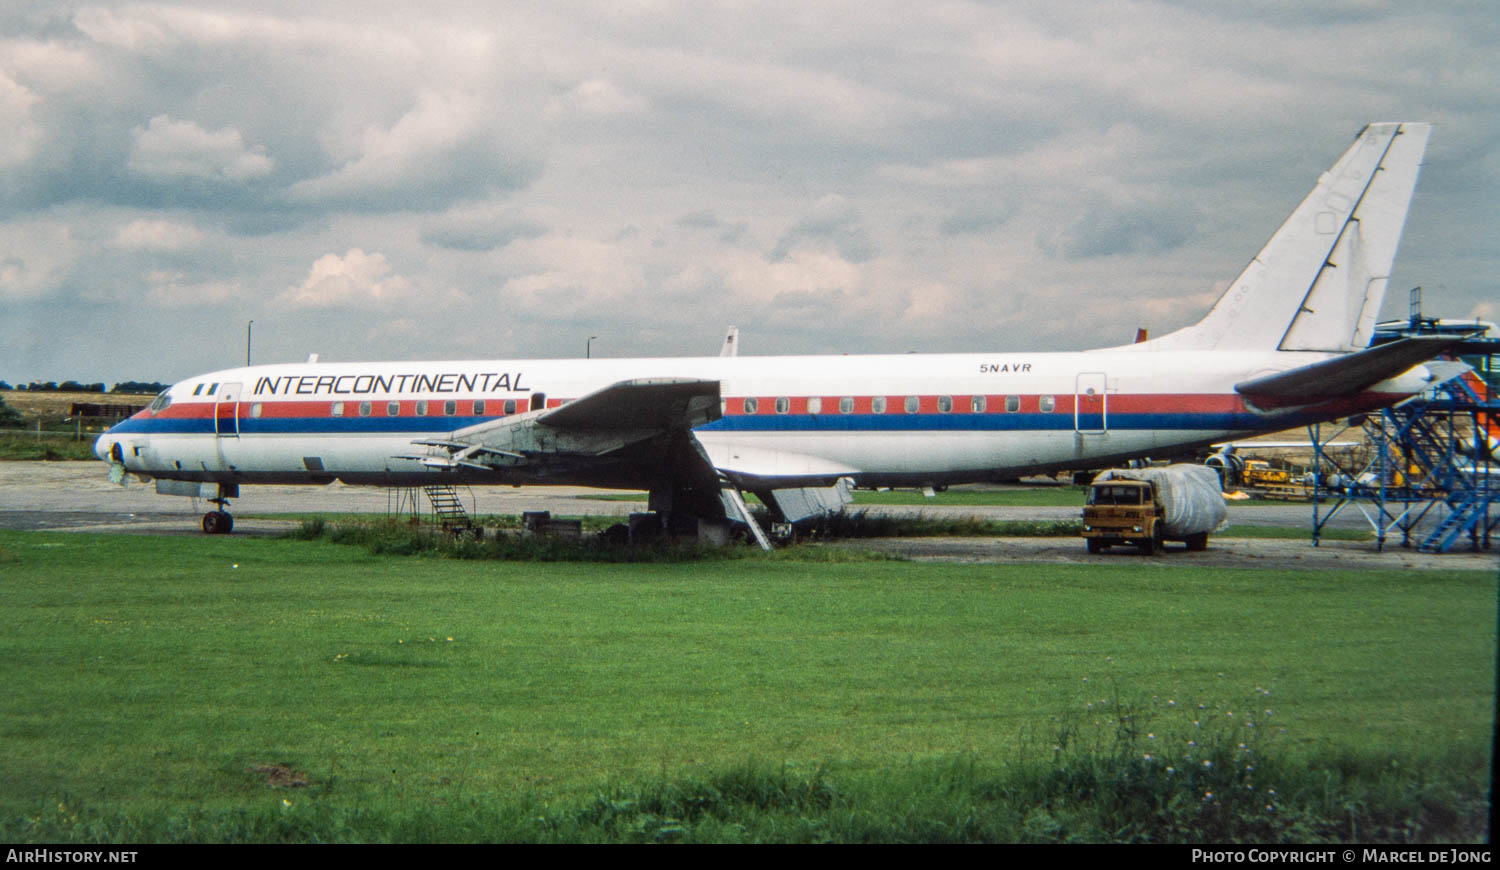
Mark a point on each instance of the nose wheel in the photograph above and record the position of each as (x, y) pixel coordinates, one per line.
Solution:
(218, 522)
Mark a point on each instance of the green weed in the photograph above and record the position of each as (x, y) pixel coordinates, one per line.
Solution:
(863, 524)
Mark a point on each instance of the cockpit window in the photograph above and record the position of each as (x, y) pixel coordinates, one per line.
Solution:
(160, 403)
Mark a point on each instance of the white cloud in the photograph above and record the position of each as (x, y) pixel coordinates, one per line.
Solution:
(20, 134)
(157, 235)
(353, 279)
(175, 289)
(484, 227)
(442, 148)
(834, 221)
(600, 97)
(34, 257)
(168, 149)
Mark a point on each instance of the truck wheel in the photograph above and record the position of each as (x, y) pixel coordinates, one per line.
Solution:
(1096, 545)
(1198, 541)
(1152, 545)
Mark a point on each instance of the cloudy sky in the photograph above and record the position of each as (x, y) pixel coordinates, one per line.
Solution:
(403, 180)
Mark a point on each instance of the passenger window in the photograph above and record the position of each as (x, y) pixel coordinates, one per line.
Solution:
(450, 407)
(877, 405)
(255, 410)
(337, 410)
(1012, 404)
(392, 409)
(510, 406)
(364, 409)
(945, 404)
(783, 404)
(422, 408)
(1048, 404)
(479, 407)
(814, 405)
(846, 405)
(751, 405)
(977, 404)
(913, 404)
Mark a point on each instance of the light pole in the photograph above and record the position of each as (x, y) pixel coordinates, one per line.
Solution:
(248, 324)
(588, 347)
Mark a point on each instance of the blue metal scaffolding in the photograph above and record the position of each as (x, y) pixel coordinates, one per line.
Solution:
(1425, 468)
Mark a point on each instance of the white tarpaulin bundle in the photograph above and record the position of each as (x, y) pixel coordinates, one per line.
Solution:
(1190, 496)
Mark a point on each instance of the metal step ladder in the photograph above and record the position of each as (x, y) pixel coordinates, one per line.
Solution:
(1463, 514)
(448, 508)
(735, 499)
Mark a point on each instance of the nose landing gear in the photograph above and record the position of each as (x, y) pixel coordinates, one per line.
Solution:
(219, 522)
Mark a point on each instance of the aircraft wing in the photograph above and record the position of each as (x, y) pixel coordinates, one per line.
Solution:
(633, 434)
(645, 403)
(1343, 375)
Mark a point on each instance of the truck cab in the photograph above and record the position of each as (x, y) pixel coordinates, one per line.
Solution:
(1123, 512)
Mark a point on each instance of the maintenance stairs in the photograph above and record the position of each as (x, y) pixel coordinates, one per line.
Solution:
(1464, 513)
(1468, 482)
(1429, 472)
(449, 509)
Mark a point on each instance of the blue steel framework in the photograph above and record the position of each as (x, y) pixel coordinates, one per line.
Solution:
(1427, 457)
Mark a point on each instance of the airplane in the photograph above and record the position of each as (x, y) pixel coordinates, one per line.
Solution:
(1287, 344)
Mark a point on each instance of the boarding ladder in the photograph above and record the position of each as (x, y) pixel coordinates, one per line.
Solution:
(737, 502)
(448, 508)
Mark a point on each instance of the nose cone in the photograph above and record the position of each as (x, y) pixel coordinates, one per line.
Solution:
(104, 446)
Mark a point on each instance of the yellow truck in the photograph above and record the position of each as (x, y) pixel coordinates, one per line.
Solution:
(1146, 507)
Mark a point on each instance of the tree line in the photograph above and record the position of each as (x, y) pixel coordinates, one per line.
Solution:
(150, 388)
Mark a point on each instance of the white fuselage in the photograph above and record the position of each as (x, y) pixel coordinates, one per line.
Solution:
(880, 420)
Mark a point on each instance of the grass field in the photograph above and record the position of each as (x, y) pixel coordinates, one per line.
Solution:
(48, 446)
(236, 688)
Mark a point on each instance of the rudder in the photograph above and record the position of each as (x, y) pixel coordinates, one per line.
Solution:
(1319, 282)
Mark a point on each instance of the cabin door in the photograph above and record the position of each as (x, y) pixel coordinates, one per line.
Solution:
(1091, 403)
(227, 411)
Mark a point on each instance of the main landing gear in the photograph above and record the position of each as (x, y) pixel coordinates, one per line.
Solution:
(219, 522)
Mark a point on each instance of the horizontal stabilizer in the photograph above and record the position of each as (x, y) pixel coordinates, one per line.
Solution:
(1444, 371)
(1344, 375)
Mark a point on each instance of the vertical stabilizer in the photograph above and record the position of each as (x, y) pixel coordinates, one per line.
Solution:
(1318, 283)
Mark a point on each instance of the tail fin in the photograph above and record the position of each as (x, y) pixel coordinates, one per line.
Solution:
(1318, 283)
